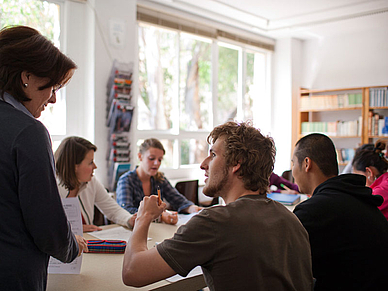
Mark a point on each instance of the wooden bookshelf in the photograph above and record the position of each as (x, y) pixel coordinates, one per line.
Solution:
(347, 110)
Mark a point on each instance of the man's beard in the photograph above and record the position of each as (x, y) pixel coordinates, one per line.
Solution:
(216, 190)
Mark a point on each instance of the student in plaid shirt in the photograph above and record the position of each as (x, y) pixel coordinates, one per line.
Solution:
(145, 180)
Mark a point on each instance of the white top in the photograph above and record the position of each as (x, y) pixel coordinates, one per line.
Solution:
(94, 193)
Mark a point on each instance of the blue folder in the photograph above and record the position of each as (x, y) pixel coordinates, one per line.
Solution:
(286, 199)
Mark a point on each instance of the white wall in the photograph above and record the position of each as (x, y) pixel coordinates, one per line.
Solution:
(286, 83)
(357, 58)
(121, 11)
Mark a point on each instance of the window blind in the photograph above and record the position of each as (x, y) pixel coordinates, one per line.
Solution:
(186, 25)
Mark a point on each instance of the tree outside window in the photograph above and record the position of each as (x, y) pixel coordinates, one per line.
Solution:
(175, 101)
(44, 17)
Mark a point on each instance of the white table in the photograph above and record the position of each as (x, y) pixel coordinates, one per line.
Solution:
(101, 272)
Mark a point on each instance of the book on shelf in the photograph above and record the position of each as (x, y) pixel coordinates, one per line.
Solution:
(378, 97)
(348, 100)
(345, 155)
(377, 124)
(334, 128)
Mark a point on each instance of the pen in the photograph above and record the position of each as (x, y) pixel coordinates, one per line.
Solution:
(285, 187)
(159, 197)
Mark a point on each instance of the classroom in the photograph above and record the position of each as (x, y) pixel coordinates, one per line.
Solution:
(290, 67)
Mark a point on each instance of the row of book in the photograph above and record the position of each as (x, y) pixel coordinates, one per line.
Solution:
(377, 124)
(344, 155)
(331, 101)
(378, 97)
(118, 120)
(335, 128)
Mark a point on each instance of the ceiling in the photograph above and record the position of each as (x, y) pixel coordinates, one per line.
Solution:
(303, 19)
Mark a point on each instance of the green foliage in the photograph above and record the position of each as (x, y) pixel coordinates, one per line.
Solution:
(185, 152)
(34, 13)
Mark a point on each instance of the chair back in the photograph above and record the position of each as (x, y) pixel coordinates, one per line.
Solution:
(189, 189)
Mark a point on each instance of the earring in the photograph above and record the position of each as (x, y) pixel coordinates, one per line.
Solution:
(25, 85)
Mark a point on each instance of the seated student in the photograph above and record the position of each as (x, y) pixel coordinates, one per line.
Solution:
(349, 166)
(282, 185)
(145, 180)
(348, 233)
(373, 165)
(74, 167)
(252, 243)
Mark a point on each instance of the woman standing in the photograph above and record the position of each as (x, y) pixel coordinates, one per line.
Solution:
(33, 224)
(75, 165)
(145, 180)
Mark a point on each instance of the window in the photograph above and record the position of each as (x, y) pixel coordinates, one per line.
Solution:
(45, 17)
(176, 101)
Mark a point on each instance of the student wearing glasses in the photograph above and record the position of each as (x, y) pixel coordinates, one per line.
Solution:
(33, 224)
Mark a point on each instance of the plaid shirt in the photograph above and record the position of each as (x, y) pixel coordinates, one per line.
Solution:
(129, 193)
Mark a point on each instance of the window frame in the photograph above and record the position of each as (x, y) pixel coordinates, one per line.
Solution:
(176, 133)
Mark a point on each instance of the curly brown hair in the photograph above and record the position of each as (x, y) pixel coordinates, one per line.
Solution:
(245, 145)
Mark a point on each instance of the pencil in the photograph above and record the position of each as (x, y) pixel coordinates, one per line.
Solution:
(285, 187)
(159, 197)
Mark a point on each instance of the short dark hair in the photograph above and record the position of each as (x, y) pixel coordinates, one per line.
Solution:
(245, 145)
(23, 48)
(71, 152)
(320, 149)
(371, 156)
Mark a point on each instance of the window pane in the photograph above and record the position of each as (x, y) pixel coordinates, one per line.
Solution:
(193, 151)
(44, 17)
(195, 83)
(158, 77)
(227, 84)
(249, 87)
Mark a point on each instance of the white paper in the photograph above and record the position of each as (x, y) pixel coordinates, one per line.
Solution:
(184, 218)
(194, 272)
(73, 213)
(115, 233)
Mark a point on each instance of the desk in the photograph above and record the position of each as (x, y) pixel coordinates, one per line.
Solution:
(101, 272)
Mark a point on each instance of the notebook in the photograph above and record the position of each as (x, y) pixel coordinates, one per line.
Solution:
(286, 199)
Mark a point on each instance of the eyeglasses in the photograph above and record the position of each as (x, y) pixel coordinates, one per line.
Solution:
(56, 88)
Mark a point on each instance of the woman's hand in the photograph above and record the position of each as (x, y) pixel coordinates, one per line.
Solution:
(131, 221)
(170, 217)
(82, 244)
(90, 227)
(290, 191)
(193, 209)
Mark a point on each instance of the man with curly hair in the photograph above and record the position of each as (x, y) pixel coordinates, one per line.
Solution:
(252, 243)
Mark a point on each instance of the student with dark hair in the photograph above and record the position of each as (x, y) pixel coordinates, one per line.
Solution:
(33, 224)
(348, 234)
(252, 243)
(373, 164)
(349, 167)
(145, 179)
(74, 160)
